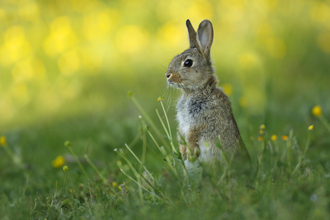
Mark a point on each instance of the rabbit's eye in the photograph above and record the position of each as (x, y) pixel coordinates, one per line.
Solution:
(188, 63)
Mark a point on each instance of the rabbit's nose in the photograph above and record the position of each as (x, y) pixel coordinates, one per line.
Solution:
(168, 75)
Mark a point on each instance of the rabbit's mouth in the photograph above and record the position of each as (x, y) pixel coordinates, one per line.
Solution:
(174, 79)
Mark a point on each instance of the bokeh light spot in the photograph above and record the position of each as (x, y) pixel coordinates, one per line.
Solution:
(200, 10)
(15, 46)
(91, 59)
(61, 36)
(98, 23)
(171, 34)
(29, 11)
(2, 14)
(320, 12)
(28, 69)
(264, 31)
(22, 71)
(248, 60)
(228, 89)
(131, 39)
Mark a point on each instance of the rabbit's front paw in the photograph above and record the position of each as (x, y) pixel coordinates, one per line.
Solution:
(183, 150)
(194, 153)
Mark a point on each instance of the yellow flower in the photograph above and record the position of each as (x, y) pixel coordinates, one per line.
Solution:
(121, 187)
(259, 138)
(273, 137)
(160, 99)
(65, 168)
(114, 184)
(262, 127)
(3, 141)
(58, 162)
(227, 89)
(284, 137)
(317, 111)
(310, 127)
(261, 131)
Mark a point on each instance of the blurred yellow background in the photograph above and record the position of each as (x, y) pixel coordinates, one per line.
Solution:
(77, 56)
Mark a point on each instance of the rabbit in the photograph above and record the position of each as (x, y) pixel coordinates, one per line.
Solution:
(203, 111)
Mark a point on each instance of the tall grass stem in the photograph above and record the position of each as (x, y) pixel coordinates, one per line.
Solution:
(129, 149)
(304, 154)
(325, 122)
(78, 161)
(137, 175)
(152, 124)
(96, 170)
(168, 123)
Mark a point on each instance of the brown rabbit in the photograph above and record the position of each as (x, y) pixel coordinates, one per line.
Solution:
(204, 112)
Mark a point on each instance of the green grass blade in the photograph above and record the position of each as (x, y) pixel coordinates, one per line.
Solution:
(152, 124)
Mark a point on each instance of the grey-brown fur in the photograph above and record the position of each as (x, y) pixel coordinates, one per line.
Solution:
(204, 112)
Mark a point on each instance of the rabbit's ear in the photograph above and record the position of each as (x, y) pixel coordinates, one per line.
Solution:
(205, 36)
(191, 34)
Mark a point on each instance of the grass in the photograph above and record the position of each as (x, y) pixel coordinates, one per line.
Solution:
(144, 179)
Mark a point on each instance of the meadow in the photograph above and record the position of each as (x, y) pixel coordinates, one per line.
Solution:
(80, 137)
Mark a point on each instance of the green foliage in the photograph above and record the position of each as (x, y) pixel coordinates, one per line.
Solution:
(279, 185)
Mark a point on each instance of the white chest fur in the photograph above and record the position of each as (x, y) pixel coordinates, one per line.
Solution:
(185, 119)
(186, 122)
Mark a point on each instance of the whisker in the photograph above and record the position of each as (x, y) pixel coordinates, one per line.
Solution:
(169, 100)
